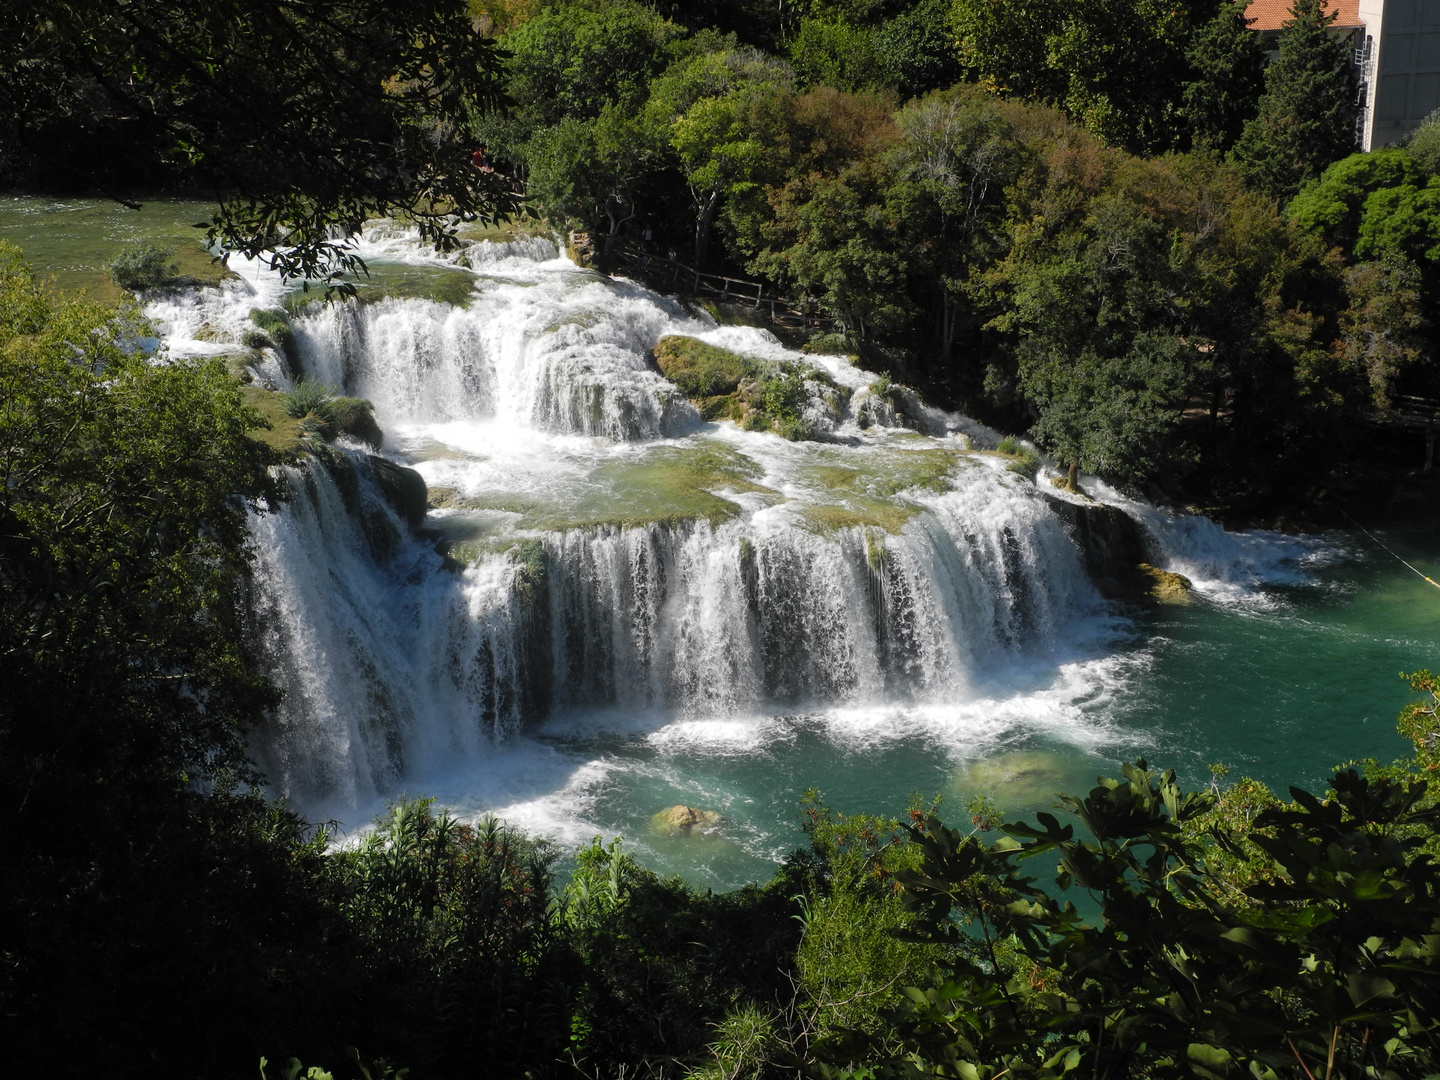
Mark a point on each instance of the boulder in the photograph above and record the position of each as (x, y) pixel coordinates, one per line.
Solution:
(1164, 585)
(683, 820)
(1112, 542)
(403, 489)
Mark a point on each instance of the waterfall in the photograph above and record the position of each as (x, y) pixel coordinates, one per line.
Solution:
(595, 547)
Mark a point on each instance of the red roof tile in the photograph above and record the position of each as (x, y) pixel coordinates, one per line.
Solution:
(1272, 14)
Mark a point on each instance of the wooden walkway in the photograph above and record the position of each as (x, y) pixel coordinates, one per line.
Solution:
(677, 277)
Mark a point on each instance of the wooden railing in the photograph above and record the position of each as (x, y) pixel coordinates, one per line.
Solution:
(678, 277)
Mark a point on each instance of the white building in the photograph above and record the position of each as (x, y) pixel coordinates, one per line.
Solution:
(1396, 48)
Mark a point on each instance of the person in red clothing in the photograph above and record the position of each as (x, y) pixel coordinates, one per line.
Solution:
(481, 160)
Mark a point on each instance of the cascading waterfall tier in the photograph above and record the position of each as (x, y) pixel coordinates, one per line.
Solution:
(395, 663)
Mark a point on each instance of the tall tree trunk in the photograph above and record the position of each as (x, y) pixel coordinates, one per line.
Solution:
(948, 319)
(706, 215)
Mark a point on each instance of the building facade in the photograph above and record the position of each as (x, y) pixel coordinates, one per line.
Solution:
(1395, 45)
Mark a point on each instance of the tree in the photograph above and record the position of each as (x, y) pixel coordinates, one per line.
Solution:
(915, 51)
(1333, 205)
(128, 693)
(1006, 45)
(1227, 62)
(1104, 352)
(304, 117)
(721, 108)
(951, 173)
(829, 231)
(1384, 327)
(836, 54)
(571, 60)
(589, 170)
(1114, 65)
(1381, 214)
(1307, 115)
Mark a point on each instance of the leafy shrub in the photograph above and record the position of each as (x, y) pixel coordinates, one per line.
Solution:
(1025, 464)
(143, 266)
(456, 921)
(1423, 146)
(256, 339)
(1325, 960)
(782, 396)
(309, 398)
(1026, 460)
(830, 343)
(883, 389)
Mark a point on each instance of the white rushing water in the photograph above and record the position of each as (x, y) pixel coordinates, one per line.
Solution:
(600, 564)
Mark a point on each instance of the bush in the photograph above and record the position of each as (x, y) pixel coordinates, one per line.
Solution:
(830, 344)
(1025, 464)
(143, 266)
(309, 398)
(355, 417)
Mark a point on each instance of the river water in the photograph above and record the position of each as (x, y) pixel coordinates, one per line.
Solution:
(614, 607)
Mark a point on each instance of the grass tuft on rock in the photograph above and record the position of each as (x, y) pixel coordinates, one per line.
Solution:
(758, 395)
(276, 326)
(700, 370)
(317, 407)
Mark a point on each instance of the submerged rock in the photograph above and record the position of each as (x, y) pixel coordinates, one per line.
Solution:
(682, 820)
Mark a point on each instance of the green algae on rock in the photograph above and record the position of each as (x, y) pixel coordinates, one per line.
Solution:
(663, 485)
(859, 512)
(1165, 585)
(395, 281)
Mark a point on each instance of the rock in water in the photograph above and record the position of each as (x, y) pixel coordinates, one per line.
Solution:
(404, 489)
(682, 820)
(1165, 585)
